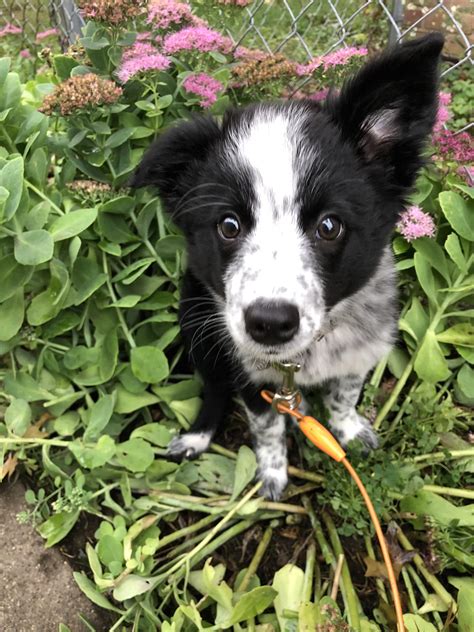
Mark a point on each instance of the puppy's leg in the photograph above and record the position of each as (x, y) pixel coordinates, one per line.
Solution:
(269, 440)
(215, 406)
(345, 422)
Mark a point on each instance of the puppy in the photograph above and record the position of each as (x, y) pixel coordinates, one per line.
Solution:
(288, 210)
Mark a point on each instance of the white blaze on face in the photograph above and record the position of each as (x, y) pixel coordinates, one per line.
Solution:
(276, 261)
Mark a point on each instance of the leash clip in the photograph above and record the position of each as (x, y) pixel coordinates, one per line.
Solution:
(288, 394)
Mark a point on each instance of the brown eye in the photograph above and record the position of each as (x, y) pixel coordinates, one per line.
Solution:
(228, 227)
(329, 228)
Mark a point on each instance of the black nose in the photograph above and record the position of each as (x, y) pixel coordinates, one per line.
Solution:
(272, 322)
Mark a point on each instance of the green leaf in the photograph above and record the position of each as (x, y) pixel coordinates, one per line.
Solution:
(452, 246)
(289, 584)
(4, 69)
(18, 417)
(58, 526)
(465, 608)
(118, 138)
(430, 364)
(108, 355)
(110, 549)
(96, 455)
(458, 213)
(12, 276)
(433, 253)
(425, 503)
(46, 305)
(11, 178)
(72, 224)
(415, 623)
(465, 381)
(91, 592)
(135, 454)
(245, 469)
(252, 604)
(128, 402)
(149, 364)
(131, 586)
(63, 66)
(34, 247)
(461, 334)
(99, 416)
(425, 276)
(23, 386)
(12, 313)
(416, 320)
(154, 433)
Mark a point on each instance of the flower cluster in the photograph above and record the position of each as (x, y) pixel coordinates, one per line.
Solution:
(458, 147)
(10, 29)
(270, 68)
(41, 35)
(415, 223)
(25, 54)
(203, 86)
(79, 92)
(236, 3)
(443, 114)
(165, 13)
(112, 11)
(249, 54)
(338, 57)
(200, 38)
(142, 63)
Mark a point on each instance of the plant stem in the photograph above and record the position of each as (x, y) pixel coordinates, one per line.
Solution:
(256, 559)
(121, 318)
(449, 491)
(430, 578)
(424, 593)
(442, 456)
(383, 412)
(43, 197)
(309, 571)
(410, 591)
(379, 583)
(347, 588)
(22, 440)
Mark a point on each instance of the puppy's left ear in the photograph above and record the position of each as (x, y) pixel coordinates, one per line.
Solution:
(388, 109)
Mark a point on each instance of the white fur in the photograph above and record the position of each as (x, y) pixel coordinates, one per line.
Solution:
(190, 444)
(274, 262)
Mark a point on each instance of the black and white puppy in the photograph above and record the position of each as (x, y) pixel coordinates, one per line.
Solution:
(288, 209)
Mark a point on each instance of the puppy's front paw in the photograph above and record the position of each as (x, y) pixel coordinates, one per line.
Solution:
(189, 445)
(356, 428)
(274, 482)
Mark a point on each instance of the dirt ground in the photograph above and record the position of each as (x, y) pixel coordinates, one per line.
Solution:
(37, 589)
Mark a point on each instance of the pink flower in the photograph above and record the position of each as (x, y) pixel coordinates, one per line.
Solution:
(198, 38)
(10, 29)
(458, 147)
(203, 86)
(25, 53)
(142, 63)
(163, 13)
(467, 174)
(338, 57)
(249, 54)
(320, 95)
(44, 34)
(139, 49)
(414, 223)
(443, 115)
(144, 36)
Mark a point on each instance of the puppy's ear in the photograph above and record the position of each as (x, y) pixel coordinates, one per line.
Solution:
(388, 109)
(172, 161)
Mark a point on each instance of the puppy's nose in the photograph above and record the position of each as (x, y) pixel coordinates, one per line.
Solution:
(271, 322)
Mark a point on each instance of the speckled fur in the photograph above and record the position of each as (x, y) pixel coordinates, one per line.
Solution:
(280, 168)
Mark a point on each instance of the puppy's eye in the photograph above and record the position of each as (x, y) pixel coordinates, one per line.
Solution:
(329, 228)
(228, 227)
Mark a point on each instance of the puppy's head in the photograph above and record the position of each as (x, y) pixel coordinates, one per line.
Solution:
(287, 207)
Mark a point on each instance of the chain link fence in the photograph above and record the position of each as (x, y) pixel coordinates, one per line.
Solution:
(299, 29)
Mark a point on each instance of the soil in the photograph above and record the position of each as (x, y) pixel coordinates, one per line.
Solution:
(38, 591)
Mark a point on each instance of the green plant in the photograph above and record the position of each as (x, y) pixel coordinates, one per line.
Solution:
(93, 388)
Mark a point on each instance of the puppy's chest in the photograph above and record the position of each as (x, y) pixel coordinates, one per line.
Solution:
(338, 354)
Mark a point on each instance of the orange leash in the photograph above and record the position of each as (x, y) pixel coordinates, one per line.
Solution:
(323, 439)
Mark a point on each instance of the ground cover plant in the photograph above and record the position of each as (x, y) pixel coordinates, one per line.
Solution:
(94, 385)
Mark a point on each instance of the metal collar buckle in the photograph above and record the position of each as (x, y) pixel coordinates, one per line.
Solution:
(288, 394)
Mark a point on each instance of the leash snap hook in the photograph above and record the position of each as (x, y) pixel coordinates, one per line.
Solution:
(288, 394)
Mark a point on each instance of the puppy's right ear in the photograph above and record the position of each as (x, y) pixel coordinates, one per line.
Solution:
(172, 161)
